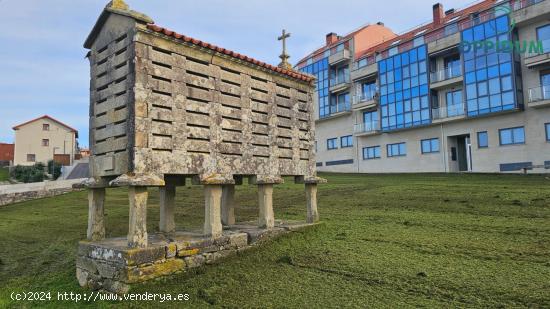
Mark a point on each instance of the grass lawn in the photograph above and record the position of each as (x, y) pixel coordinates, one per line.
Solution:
(4, 174)
(386, 241)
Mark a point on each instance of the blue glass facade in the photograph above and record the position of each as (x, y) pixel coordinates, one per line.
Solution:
(404, 92)
(488, 72)
(320, 70)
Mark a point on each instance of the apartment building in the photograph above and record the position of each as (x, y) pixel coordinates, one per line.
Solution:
(43, 139)
(468, 91)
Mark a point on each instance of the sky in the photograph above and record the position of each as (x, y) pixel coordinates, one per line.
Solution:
(43, 69)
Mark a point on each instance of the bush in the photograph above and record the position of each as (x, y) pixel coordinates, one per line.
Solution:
(55, 167)
(28, 174)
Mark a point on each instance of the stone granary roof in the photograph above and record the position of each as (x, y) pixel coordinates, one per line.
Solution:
(120, 7)
(213, 47)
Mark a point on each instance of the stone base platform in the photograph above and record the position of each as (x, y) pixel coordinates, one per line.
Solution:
(112, 266)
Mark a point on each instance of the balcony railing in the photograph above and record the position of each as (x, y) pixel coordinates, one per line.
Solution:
(449, 111)
(334, 81)
(540, 93)
(340, 107)
(531, 51)
(366, 127)
(364, 97)
(446, 73)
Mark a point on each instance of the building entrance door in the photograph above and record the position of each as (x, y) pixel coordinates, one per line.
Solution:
(464, 153)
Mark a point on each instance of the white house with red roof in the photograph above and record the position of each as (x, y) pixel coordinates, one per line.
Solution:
(43, 138)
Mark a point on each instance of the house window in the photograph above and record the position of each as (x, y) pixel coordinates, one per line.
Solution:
(454, 103)
(452, 66)
(545, 84)
(430, 145)
(31, 158)
(482, 139)
(45, 142)
(346, 141)
(512, 136)
(339, 75)
(370, 153)
(332, 143)
(45, 127)
(396, 150)
(543, 35)
(339, 103)
(368, 90)
(547, 127)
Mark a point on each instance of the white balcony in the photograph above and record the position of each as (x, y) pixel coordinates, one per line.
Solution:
(448, 113)
(366, 128)
(539, 96)
(339, 56)
(536, 58)
(446, 77)
(339, 83)
(365, 100)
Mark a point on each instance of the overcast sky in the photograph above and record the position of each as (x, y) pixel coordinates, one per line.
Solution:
(42, 64)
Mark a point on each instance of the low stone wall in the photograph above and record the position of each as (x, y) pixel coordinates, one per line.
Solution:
(28, 191)
(111, 266)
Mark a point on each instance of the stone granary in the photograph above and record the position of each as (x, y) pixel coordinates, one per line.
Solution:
(164, 108)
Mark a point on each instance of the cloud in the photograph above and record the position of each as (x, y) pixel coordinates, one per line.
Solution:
(42, 65)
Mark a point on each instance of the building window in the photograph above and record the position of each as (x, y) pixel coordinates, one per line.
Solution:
(31, 158)
(339, 75)
(396, 150)
(370, 153)
(512, 136)
(482, 139)
(488, 75)
(339, 103)
(45, 142)
(543, 35)
(45, 127)
(430, 145)
(319, 69)
(332, 143)
(368, 91)
(545, 85)
(346, 141)
(404, 91)
(547, 127)
(452, 66)
(454, 103)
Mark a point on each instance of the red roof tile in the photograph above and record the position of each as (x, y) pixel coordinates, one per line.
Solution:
(430, 27)
(291, 73)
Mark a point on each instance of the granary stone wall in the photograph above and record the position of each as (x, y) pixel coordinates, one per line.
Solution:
(163, 106)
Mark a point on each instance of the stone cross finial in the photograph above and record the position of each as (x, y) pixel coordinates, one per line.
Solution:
(118, 4)
(284, 56)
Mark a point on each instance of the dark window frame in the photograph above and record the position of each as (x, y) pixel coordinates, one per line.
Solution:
(388, 147)
(478, 144)
(372, 147)
(546, 130)
(430, 150)
(45, 127)
(335, 139)
(348, 145)
(513, 142)
(45, 142)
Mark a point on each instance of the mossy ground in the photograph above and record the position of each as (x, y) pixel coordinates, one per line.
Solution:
(429, 240)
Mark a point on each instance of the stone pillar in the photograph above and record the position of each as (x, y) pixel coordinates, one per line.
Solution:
(311, 201)
(137, 232)
(265, 199)
(96, 223)
(212, 214)
(228, 204)
(167, 207)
